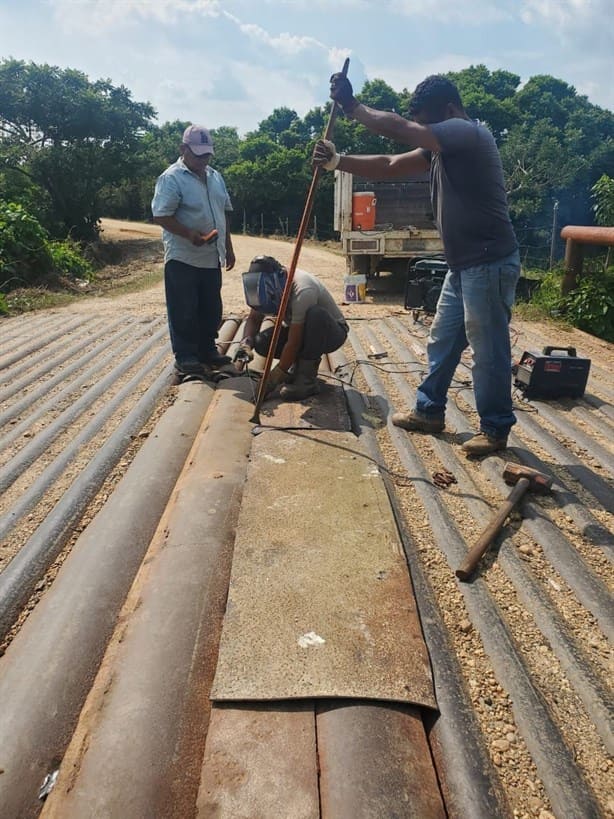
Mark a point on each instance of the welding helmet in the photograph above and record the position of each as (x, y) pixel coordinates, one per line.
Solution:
(263, 284)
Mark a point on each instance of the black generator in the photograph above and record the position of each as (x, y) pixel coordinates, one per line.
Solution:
(555, 373)
(423, 286)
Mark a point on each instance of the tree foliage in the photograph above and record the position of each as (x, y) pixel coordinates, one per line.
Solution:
(68, 136)
(72, 150)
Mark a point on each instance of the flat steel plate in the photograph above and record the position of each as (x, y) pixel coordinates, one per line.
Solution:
(320, 601)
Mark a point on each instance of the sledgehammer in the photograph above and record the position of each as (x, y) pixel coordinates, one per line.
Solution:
(522, 478)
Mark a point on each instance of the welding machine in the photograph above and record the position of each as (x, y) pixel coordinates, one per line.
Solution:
(555, 373)
(423, 285)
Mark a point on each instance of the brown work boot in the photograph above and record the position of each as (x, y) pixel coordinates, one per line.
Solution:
(483, 444)
(417, 422)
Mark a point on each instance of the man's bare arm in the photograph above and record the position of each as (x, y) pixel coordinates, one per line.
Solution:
(393, 126)
(413, 163)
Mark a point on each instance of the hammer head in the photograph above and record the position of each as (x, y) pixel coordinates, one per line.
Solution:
(539, 482)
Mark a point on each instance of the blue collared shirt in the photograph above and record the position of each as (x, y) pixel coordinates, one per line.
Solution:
(198, 204)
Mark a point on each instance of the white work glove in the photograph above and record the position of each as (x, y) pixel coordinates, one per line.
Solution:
(325, 155)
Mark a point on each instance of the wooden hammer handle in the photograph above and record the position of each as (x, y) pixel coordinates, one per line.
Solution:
(474, 555)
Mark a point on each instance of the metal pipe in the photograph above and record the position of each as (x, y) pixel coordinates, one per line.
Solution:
(567, 789)
(60, 646)
(470, 782)
(147, 714)
(51, 473)
(227, 332)
(589, 235)
(30, 452)
(24, 571)
(21, 353)
(33, 397)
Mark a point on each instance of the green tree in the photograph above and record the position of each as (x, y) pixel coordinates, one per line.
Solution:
(489, 96)
(69, 136)
(603, 200)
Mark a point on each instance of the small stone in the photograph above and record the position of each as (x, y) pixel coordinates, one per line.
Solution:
(465, 626)
(545, 814)
(525, 550)
(535, 804)
(497, 760)
(501, 745)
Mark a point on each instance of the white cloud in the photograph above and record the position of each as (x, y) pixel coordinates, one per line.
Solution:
(464, 12)
(100, 15)
(285, 43)
(587, 23)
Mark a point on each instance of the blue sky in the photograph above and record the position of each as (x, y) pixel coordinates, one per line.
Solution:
(231, 62)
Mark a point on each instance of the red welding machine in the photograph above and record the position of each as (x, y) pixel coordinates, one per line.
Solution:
(556, 373)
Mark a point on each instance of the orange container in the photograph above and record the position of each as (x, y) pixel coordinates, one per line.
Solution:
(363, 210)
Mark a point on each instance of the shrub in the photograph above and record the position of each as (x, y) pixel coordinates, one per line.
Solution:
(68, 261)
(591, 305)
(4, 308)
(28, 257)
(548, 294)
(24, 250)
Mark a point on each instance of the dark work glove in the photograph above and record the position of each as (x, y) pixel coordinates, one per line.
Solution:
(342, 92)
(277, 376)
(243, 355)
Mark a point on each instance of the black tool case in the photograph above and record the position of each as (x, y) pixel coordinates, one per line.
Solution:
(555, 373)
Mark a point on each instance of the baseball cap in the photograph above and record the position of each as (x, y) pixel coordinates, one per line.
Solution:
(198, 139)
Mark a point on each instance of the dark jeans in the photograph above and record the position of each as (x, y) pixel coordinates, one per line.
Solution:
(194, 308)
(322, 334)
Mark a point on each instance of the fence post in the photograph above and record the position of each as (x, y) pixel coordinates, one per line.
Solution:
(262, 224)
(553, 234)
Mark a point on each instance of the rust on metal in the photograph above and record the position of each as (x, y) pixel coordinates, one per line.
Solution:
(320, 601)
(375, 762)
(260, 760)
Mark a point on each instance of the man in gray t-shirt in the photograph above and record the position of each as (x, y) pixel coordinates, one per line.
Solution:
(471, 211)
(313, 325)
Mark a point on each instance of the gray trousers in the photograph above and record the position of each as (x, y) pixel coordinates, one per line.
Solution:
(322, 334)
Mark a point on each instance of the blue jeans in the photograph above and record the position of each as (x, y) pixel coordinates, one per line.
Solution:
(194, 309)
(474, 309)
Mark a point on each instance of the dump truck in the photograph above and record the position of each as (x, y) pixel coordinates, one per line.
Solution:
(384, 225)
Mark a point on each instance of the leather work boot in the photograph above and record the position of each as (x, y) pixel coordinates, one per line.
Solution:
(215, 359)
(304, 381)
(417, 422)
(483, 444)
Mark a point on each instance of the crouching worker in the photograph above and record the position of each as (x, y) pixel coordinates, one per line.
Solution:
(313, 325)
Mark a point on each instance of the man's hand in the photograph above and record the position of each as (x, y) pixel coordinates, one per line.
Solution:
(342, 93)
(195, 238)
(230, 258)
(243, 355)
(276, 377)
(325, 155)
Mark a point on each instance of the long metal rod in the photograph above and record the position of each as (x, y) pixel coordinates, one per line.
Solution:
(317, 171)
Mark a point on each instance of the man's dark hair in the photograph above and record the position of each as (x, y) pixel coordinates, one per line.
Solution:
(432, 96)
